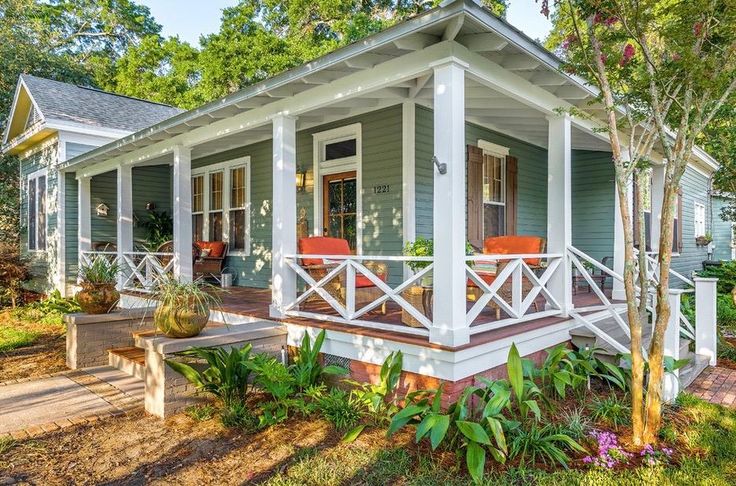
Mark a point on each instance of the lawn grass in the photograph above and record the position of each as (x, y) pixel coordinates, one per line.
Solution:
(13, 337)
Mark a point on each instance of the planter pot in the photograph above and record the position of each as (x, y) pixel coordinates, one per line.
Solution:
(179, 322)
(426, 281)
(702, 241)
(98, 299)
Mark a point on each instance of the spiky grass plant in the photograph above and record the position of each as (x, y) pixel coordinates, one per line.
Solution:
(100, 272)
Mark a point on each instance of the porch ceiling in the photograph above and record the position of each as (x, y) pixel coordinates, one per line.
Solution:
(462, 21)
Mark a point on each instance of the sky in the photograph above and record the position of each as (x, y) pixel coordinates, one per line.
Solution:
(191, 18)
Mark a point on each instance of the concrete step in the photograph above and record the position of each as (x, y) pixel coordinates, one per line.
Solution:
(128, 360)
(698, 363)
(216, 328)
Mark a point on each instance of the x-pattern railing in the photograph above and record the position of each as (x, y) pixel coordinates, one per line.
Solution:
(514, 273)
(143, 270)
(346, 268)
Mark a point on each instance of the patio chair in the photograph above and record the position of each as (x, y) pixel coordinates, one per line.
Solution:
(104, 246)
(209, 260)
(365, 290)
(598, 276)
(507, 245)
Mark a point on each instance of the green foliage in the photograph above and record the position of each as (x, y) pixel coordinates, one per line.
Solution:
(421, 247)
(338, 407)
(197, 296)
(525, 391)
(560, 372)
(6, 443)
(47, 311)
(159, 228)
(227, 375)
(379, 402)
(574, 423)
(307, 369)
(725, 273)
(544, 443)
(611, 410)
(13, 338)
(238, 415)
(201, 413)
(9, 195)
(100, 272)
(14, 272)
(273, 377)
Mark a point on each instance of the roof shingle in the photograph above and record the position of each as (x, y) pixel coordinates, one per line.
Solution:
(90, 106)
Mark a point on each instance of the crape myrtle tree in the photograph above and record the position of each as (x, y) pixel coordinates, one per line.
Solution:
(663, 69)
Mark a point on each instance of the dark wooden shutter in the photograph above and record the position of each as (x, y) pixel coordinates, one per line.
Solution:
(512, 170)
(475, 196)
(678, 235)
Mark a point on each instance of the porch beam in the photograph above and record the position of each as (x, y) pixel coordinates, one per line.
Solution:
(449, 327)
(125, 214)
(283, 283)
(408, 176)
(559, 206)
(182, 194)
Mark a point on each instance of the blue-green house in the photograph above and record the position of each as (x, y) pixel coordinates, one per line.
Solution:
(446, 126)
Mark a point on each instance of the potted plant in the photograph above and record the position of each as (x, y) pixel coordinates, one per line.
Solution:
(704, 240)
(97, 281)
(183, 308)
(421, 247)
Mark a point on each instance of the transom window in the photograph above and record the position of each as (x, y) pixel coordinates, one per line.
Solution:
(37, 211)
(221, 204)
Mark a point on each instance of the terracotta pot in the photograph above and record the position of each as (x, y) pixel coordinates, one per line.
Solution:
(98, 298)
(179, 322)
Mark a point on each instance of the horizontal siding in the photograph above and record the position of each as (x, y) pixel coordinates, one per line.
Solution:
(721, 230)
(71, 226)
(42, 263)
(694, 188)
(593, 201)
(74, 149)
(103, 190)
(532, 175)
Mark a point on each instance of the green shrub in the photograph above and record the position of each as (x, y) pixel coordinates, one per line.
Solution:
(338, 407)
(238, 415)
(534, 443)
(227, 375)
(611, 410)
(201, 413)
(13, 338)
(575, 423)
(725, 312)
(307, 369)
(100, 272)
(726, 275)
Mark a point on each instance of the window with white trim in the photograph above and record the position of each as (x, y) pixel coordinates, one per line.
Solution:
(221, 204)
(699, 219)
(494, 188)
(37, 211)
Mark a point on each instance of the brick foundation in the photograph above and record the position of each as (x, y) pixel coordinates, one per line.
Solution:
(89, 336)
(369, 372)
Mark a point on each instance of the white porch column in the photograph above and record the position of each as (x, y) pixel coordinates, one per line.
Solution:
(671, 385)
(183, 213)
(618, 236)
(559, 206)
(408, 175)
(657, 196)
(125, 214)
(706, 333)
(283, 283)
(449, 206)
(84, 214)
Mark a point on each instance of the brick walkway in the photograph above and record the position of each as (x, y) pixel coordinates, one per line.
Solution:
(717, 385)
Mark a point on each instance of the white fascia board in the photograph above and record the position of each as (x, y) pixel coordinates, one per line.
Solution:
(389, 73)
(16, 95)
(67, 126)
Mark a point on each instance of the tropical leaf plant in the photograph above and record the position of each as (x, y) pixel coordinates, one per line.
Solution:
(307, 369)
(534, 443)
(227, 375)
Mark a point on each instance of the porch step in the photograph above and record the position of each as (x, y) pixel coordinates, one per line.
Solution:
(128, 360)
(698, 363)
(141, 337)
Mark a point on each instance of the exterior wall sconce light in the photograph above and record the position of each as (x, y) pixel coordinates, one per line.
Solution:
(301, 179)
(441, 166)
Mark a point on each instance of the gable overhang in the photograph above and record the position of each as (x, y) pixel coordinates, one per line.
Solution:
(23, 103)
(499, 56)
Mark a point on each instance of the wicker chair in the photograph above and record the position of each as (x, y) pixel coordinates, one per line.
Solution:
(508, 245)
(365, 290)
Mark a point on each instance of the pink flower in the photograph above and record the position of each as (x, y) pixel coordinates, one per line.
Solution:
(610, 21)
(697, 29)
(629, 52)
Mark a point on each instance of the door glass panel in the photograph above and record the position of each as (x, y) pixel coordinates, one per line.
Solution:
(335, 197)
(349, 197)
(341, 207)
(349, 230)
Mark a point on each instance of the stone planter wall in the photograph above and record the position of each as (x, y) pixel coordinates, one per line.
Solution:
(167, 392)
(88, 336)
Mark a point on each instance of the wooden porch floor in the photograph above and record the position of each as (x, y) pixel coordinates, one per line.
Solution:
(254, 302)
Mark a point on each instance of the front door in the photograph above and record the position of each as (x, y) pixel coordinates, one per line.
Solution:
(339, 206)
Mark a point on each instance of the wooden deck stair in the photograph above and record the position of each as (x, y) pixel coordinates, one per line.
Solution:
(582, 337)
(129, 360)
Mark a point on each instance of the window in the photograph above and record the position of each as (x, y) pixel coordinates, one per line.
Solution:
(197, 207)
(699, 219)
(646, 193)
(221, 204)
(341, 149)
(37, 211)
(494, 195)
(677, 227)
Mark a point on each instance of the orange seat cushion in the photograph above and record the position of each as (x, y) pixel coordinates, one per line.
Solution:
(322, 245)
(515, 245)
(362, 282)
(217, 248)
(488, 278)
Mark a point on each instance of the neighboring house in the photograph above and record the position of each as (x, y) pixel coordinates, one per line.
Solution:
(446, 125)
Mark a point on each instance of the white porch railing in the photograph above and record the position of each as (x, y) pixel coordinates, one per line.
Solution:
(515, 289)
(140, 270)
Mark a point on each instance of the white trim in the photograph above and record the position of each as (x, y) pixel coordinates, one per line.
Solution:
(697, 169)
(493, 148)
(61, 125)
(322, 168)
(697, 205)
(408, 174)
(16, 96)
(225, 167)
(37, 175)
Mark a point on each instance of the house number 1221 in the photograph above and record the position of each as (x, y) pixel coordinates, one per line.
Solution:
(381, 189)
